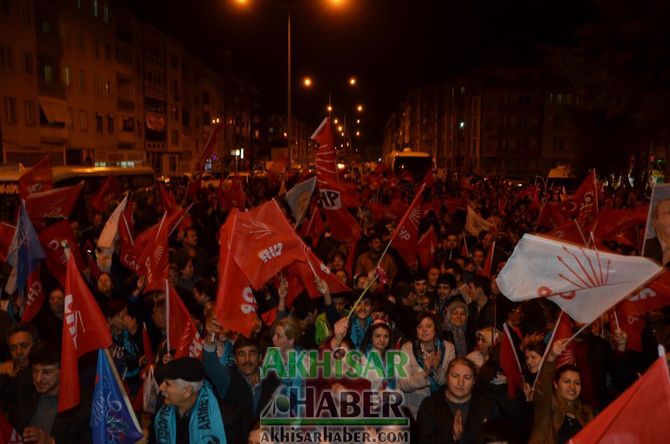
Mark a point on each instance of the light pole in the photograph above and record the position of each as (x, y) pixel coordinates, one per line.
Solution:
(288, 99)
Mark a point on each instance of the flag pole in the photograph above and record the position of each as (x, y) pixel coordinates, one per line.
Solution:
(119, 383)
(546, 351)
(353, 308)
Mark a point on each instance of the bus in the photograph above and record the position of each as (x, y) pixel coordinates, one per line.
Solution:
(417, 163)
(137, 179)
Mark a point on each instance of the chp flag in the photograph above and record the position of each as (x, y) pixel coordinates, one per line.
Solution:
(584, 283)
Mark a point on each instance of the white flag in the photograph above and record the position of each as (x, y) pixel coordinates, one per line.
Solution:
(584, 283)
(474, 223)
(109, 231)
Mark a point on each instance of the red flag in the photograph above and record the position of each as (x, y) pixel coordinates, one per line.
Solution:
(235, 302)
(405, 237)
(146, 344)
(639, 415)
(488, 262)
(231, 194)
(509, 362)
(654, 295)
(35, 296)
(586, 196)
(264, 242)
(8, 434)
(313, 228)
(340, 222)
(84, 329)
(171, 221)
(109, 191)
(279, 165)
(300, 278)
(208, 149)
(154, 258)
(426, 247)
(182, 334)
(55, 203)
(6, 236)
(37, 179)
(169, 201)
(53, 238)
(564, 331)
(630, 322)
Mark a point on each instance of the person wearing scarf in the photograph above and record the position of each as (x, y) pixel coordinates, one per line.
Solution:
(360, 322)
(191, 411)
(427, 359)
(377, 341)
(457, 329)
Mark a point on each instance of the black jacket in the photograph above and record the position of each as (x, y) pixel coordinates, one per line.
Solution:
(435, 419)
(237, 406)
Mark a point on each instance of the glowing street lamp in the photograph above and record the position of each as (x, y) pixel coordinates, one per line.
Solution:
(359, 108)
(307, 82)
(352, 81)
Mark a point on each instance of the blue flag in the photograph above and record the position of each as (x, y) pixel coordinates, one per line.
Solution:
(112, 418)
(25, 251)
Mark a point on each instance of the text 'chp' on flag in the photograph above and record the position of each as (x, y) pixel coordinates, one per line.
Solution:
(334, 200)
(584, 283)
(84, 329)
(405, 237)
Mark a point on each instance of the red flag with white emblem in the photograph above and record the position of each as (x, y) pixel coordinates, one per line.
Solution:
(84, 329)
(405, 237)
(109, 191)
(154, 258)
(426, 247)
(236, 305)
(54, 238)
(331, 192)
(53, 204)
(35, 296)
(37, 179)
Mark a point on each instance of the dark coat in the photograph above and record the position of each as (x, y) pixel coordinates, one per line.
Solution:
(435, 419)
(237, 406)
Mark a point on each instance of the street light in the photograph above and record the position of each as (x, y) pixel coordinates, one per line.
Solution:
(335, 3)
(353, 81)
(307, 82)
(359, 108)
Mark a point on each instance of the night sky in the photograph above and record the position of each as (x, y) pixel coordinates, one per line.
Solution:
(390, 45)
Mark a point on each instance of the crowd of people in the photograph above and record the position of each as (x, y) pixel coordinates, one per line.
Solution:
(446, 315)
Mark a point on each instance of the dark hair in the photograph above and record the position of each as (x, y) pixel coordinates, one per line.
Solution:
(465, 361)
(243, 341)
(367, 339)
(302, 306)
(566, 368)
(433, 317)
(482, 282)
(113, 307)
(204, 286)
(448, 279)
(24, 327)
(536, 346)
(454, 266)
(44, 353)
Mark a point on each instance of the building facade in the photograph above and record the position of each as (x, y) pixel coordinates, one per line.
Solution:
(87, 83)
(509, 122)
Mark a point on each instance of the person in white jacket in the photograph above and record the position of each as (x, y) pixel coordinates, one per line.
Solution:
(428, 357)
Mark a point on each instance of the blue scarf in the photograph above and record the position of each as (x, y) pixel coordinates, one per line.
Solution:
(439, 346)
(356, 332)
(228, 357)
(205, 424)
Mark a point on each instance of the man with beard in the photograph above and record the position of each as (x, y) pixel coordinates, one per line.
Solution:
(243, 392)
(367, 262)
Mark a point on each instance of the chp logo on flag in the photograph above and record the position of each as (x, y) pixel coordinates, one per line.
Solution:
(71, 316)
(330, 199)
(249, 304)
(576, 273)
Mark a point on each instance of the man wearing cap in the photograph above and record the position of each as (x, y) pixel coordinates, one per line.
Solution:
(191, 412)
